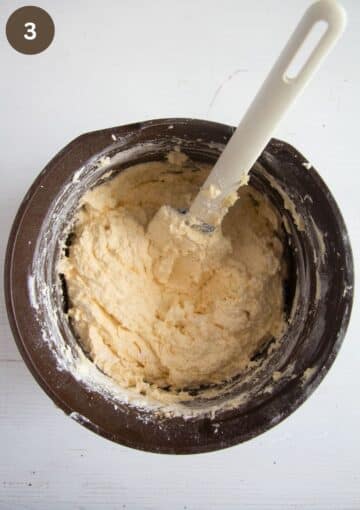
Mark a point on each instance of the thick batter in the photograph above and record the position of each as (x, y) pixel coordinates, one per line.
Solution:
(158, 304)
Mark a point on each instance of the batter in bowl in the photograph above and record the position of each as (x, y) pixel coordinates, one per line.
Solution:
(160, 306)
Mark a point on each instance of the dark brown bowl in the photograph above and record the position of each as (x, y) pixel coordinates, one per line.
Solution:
(319, 291)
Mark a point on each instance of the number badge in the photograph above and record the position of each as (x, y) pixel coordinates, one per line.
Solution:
(30, 30)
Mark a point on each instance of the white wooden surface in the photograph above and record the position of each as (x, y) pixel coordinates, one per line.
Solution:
(117, 61)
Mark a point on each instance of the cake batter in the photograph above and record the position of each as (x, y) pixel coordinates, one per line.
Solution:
(159, 305)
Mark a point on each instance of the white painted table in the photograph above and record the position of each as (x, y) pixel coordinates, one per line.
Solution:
(115, 62)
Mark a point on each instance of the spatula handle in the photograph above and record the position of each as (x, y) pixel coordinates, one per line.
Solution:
(275, 97)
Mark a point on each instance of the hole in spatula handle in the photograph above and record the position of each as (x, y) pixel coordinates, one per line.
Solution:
(305, 51)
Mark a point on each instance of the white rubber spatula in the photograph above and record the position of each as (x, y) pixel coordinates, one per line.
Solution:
(275, 97)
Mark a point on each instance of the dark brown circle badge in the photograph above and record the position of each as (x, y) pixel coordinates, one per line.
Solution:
(30, 30)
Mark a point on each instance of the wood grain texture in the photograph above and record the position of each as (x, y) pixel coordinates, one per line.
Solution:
(98, 74)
